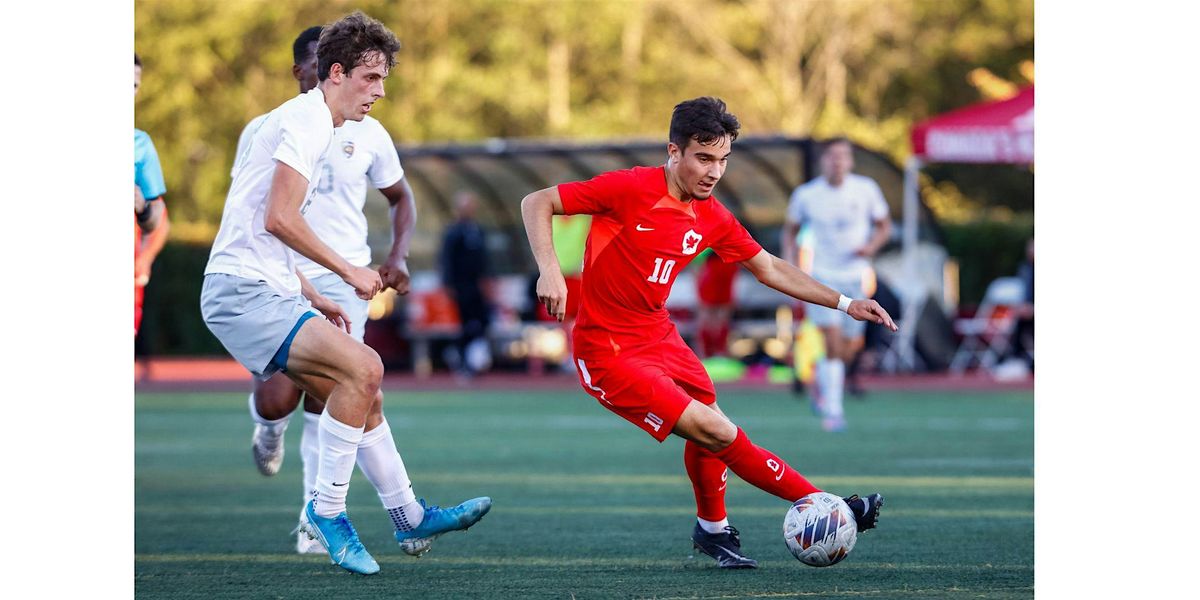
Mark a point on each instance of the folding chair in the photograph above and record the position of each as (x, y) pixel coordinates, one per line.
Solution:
(987, 335)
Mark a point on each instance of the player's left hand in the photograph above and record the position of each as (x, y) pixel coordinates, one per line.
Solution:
(395, 275)
(332, 311)
(865, 252)
(870, 310)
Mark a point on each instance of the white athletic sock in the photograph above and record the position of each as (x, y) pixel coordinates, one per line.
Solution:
(273, 429)
(837, 380)
(384, 468)
(713, 526)
(339, 445)
(824, 378)
(310, 452)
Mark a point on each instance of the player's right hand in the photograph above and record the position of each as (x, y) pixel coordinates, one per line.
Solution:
(552, 292)
(870, 310)
(366, 282)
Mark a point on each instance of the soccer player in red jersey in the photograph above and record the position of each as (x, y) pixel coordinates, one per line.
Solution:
(648, 223)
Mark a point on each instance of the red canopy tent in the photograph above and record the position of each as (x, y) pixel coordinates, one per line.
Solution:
(990, 132)
(998, 132)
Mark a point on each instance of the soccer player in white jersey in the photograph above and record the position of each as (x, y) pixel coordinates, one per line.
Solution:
(258, 303)
(849, 219)
(363, 154)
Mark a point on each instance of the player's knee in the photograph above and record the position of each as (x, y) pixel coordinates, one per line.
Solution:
(366, 375)
(717, 433)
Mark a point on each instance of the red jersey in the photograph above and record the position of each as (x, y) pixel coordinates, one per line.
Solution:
(641, 238)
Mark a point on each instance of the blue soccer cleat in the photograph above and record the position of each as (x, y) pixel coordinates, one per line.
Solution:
(441, 520)
(339, 538)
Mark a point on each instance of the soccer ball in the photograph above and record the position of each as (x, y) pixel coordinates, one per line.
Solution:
(819, 529)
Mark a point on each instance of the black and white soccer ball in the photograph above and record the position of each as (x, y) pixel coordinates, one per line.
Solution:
(820, 530)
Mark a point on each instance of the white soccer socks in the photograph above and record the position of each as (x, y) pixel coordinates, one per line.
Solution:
(271, 430)
(831, 379)
(713, 526)
(837, 384)
(310, 452)
(384, 468)
(339, 447)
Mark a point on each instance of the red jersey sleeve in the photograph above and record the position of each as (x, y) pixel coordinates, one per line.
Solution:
(734, 243)
(606, 193)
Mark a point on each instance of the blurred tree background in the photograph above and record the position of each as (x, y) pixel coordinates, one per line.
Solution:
(595, 69)
(580, 70)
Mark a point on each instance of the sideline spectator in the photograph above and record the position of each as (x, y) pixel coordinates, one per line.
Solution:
(464, 266)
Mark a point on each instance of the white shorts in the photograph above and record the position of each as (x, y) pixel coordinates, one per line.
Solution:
(333, 287)
(822, 316)
(252, 320)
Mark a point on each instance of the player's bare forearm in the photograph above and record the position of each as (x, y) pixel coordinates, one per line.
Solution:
(778, 274)
(404, 217)
(284, 221)
(151, 214)
(394, 270)
(154, 241)
(537, 210)
(306, 287)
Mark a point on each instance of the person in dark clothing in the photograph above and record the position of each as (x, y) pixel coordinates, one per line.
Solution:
(1022, 345)
(464, 267)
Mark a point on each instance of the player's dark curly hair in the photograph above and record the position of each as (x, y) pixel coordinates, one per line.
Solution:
(352, 40)
(703, 119)
(300, 46)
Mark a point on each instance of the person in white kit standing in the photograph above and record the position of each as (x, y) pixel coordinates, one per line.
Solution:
(849, 219)
(362, 154)
(259, 304)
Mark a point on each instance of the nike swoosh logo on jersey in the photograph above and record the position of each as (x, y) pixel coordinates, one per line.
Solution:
(340, 484)
(640, 228)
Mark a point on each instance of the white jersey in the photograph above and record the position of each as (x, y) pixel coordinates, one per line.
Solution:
(362, 153)
(298, 134)
(841, 219)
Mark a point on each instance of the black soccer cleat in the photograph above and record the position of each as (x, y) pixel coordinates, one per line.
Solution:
(866, 510)
(726, 547)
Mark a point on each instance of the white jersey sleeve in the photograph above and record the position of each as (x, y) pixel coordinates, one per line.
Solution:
(385, 169)
(301, 145)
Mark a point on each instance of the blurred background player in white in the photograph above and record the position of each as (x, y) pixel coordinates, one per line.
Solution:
(149, 210)
(849, 219)
(362, 153)
(259, 305)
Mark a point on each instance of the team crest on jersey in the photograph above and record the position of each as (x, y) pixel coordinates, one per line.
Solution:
(691, 241)
(348, 148)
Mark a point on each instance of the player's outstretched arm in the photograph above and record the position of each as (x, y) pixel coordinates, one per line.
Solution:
(778, 274)
(537, 210)
(284, 221)
(404, 219)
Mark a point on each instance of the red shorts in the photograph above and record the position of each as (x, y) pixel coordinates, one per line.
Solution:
(648, 386)
(715, 283)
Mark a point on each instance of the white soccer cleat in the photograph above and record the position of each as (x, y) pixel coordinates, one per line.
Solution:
(268, 451)
(306, 544)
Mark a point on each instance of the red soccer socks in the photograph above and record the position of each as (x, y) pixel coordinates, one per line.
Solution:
(707, 473)
(762, 469)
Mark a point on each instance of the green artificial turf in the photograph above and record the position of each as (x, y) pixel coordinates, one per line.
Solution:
(588, 506)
